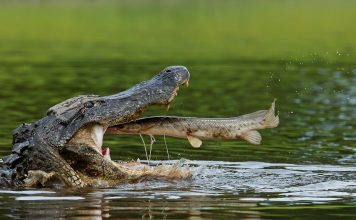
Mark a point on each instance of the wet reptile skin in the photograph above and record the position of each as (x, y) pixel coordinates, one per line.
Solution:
(42, 150)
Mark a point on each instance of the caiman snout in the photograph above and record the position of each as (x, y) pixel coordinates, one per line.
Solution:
(171, 78)
(179, 73)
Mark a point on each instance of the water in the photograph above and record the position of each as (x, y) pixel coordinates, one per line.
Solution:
(304, 169)
(218, 189)
(306, 165)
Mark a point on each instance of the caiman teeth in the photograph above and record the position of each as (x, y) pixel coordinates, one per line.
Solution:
(168, 106)
(97, 135)
(186, 83)
(174, 94)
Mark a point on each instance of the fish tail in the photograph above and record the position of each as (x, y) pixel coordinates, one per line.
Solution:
(270, 119)
(263, 119)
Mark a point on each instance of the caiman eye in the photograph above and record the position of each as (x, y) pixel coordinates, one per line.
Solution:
(89, 104)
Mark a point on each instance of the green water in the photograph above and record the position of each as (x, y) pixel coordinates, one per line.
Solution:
(241, 55)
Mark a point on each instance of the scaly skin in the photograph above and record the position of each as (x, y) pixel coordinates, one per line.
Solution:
(61, 147)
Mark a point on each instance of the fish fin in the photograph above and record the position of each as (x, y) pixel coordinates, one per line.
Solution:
(253, 137)
(194, 141)
(270, 119)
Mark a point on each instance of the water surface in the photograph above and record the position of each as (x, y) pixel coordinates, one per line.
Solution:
(306, 165)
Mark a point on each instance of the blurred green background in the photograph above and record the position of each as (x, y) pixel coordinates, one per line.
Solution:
(178, 31)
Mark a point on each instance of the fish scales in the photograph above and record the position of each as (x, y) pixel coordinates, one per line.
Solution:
(197, 129)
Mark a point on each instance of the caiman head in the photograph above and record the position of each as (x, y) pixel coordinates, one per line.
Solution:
(67, 142)
(83, 120)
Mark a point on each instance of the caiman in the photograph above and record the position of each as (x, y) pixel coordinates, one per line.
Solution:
(64, 148)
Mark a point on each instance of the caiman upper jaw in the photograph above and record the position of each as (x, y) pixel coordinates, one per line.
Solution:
(170, 78)
(90, 116)
(179, 75)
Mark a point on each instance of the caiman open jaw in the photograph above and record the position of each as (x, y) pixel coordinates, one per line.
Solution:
(66, 144)
(103, 112)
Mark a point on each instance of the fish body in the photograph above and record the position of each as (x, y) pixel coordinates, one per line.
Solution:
(198, 129)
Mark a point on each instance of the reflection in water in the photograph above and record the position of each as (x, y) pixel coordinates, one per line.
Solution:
(218, 190)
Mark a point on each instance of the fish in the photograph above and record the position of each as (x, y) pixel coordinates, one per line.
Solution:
(196, 129)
